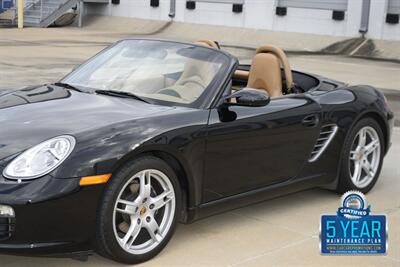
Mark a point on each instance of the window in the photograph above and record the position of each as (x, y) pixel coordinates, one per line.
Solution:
(158, 70)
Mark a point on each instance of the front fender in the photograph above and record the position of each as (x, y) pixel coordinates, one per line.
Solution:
(181, 136)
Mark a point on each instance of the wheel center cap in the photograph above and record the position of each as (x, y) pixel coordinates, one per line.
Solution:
(143, 211)
(361, 155)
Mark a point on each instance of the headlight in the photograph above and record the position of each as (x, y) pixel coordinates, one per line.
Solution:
(40, 159)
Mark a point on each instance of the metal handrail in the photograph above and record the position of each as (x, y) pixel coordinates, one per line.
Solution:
(31, 3)
(38, 5)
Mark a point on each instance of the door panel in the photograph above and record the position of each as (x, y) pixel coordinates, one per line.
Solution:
(262, 146)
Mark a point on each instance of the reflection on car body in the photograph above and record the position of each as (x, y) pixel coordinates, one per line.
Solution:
(149, 133)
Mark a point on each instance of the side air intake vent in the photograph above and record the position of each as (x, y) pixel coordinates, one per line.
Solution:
(325, 137)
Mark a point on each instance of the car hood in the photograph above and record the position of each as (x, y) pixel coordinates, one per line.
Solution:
(31, 115)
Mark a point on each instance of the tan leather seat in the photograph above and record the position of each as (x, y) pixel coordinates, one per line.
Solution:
(265, 71)
(209, 43)
(196, 76)
(265, 74)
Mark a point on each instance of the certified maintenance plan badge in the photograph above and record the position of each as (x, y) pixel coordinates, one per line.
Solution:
(353, 230)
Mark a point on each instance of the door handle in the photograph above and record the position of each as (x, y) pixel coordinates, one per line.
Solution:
(310, 120)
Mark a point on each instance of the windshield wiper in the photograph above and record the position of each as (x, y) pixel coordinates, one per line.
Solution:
(68, 86)
(120, 94)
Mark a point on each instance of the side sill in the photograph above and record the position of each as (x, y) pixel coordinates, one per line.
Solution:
(254, 196)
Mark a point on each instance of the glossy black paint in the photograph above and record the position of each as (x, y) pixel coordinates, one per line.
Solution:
(260, 141)
(248, 97)
(62, 224)
(226, 156)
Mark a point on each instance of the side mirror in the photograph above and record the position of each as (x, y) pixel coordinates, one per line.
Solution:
(249, 97)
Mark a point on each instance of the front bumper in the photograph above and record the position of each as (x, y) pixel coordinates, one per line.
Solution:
(52, 216)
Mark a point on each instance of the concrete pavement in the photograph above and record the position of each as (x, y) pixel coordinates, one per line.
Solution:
(25, 54)
(36, 56)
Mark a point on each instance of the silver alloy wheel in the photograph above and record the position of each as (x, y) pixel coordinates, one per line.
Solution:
(365, 156)
(144, 211)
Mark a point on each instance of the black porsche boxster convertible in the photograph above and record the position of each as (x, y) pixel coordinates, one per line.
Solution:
(149, 133)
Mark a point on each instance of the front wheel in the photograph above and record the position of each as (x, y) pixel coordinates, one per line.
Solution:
(139, 211)
(362, 157)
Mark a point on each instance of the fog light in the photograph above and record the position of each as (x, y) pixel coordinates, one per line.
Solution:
(6, 211)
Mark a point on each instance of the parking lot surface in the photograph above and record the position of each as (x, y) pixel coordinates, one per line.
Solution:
(279, 232)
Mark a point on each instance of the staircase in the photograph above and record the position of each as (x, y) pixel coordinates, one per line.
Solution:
(42, 13)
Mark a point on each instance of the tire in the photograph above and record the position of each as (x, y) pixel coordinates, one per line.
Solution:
(117, 235)
(348, 173)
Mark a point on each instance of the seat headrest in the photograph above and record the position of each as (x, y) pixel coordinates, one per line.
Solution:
(265, 74)
(209, 43)
(283, 60)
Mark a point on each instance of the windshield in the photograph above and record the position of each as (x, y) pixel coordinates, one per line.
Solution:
(157, 70)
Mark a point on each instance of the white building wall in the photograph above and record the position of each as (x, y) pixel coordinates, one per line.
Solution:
(390, 32)
(215, 14)
(310, 21)
(379, 29)
(260, 14)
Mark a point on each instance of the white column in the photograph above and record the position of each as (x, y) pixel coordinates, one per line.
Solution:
(354, 12)
(81, 9)
(377, 19)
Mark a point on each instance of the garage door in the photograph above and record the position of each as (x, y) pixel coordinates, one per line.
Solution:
(340, 5)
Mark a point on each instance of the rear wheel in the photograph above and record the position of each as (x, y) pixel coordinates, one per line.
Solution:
(362, 158)
(139, 211)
